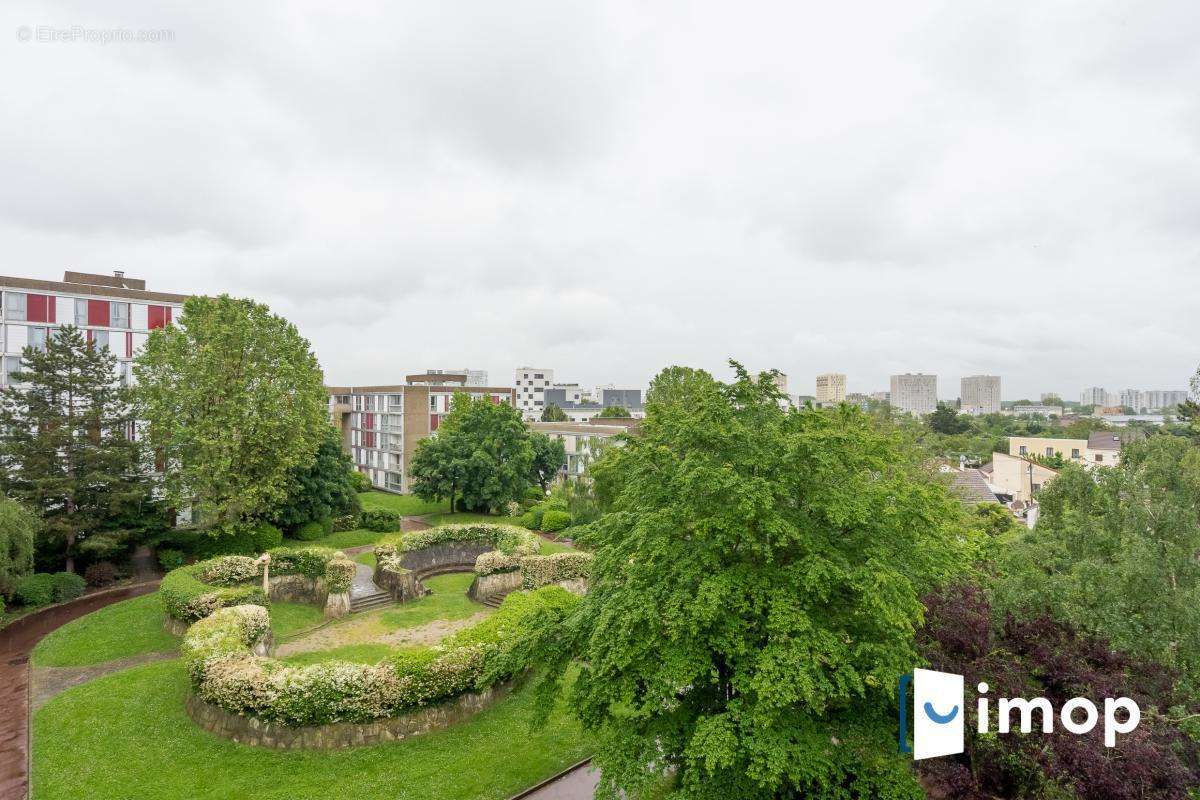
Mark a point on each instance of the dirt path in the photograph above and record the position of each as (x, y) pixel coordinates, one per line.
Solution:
(367, 630)
(51, 681)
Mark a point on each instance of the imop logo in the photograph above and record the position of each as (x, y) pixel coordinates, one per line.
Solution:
(938, 713)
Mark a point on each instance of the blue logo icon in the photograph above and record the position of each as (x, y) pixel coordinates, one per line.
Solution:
(934, 733)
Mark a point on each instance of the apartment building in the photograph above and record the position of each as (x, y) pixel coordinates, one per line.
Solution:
(581, 441)
(1101, 449)
(916, 394)
(1097, 396)
(980, 394)
(1036, 409)
(381, 425)
(531, 386)
(473, 377)
(831, 388)
(579, 408)
(1153, 400)
(114, 311)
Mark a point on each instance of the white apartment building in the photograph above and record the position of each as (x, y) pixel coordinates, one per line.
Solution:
(980, 394)
(112, 311)
(1097, 396)
(916, 394)
(531, 384)
(831, 388)
(1153, 400)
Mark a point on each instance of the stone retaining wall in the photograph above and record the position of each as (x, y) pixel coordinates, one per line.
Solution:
(403, 586)
(485, 586)
(288, 589)
(445, 554)
(276, 735)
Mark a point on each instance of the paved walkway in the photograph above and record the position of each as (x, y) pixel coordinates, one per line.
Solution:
(364, 582)
(49, 682)
(578, 784)
(16, 643)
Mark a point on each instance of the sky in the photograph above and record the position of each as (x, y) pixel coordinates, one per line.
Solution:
(606, 189)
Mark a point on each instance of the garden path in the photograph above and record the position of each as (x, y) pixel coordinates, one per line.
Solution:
(49, 682)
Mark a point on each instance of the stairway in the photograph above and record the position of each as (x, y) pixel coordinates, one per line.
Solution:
(494, 600)
(369, 601)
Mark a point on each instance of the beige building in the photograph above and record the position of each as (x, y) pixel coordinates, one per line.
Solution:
(980, 394)
(916, 394)
(1019, 477)
(831, 388)
(1101, 449)
(583, 441)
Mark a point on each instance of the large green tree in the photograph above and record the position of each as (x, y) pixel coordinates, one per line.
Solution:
(754, 596)
(1115, 553)
(325, 488)
(234, 403)
(947, 420)
(549, 456)
(66, 450)
(482, 455)
(614, 412)
(18, 527)
(552, 413)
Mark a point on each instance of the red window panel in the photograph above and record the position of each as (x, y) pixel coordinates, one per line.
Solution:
(129, 344)
(495, 399)
(39, 308)
(158, 316)
(368, 421)
(434, 420)
(98, 313)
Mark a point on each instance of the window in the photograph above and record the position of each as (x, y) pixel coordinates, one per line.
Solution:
(81, 313)
(11, 365)
(99, 339)
(1074, 452)
(14, 305)
(1099, 456)
(118, 315)
(1023, 450)
(37, 338)
(538, 375)
(1049, 451)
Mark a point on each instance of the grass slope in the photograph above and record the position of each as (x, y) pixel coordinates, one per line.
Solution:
(127, 628)
(126, 735)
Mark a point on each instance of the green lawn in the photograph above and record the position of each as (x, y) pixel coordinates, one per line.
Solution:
(448, 601)
(367, 558)
(124, 629)
(446, 518)
(549, 547)
(406, 504)
(126, 735)
(367, 653)
(288, 619)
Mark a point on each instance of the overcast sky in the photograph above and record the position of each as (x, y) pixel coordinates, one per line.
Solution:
(870, 188)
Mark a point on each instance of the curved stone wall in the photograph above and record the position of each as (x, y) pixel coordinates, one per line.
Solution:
(438, 557)
(256, 732)
(498, 583)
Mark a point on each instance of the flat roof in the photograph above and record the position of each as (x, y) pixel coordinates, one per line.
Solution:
(400, 388)
(95, 289)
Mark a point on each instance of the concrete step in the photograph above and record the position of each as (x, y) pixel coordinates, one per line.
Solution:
(370, 601)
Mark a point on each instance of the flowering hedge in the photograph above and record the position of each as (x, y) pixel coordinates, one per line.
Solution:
(537, 571)
(193, 592)
(494, 561)
(511, 542)
(225, 672)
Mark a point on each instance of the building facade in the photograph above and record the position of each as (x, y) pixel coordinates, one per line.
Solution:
(381, 425)
(1097, 396)
(831, 388)
(1033, 410)
(915, 394)
(581, 441)
(531, 386)
(980, 394)
(113, 311)
(1101, 449)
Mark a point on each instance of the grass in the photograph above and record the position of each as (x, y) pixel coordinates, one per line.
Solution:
(446, 518)
(127, 628)
(549, 547)
(448, 601)
(288, 619)
(406, 504)
(367, 558)
(366, 653)
(127, 735)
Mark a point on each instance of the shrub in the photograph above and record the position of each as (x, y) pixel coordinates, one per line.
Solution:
(35, 590)
(309, 531)
(526, 520)
(508, 538)
(555, 520)
(169, 559)
(535, 515)
(245, 540)
(513, 509)
(68, 586)
(101, 573)
(538, 571)
(381, 520)
(360, 482)
(348, 522)
(266, 536)
(535, 495)
(494, 561)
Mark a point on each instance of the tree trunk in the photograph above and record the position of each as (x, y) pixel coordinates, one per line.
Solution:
(70, 565)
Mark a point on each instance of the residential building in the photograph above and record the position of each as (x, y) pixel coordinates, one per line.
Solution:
(972, 487)
(112, 310)
(381, 425)
(980, 394)
(1101, 449)
(581, 441)
(883, 397)
(1037, 410)
(859, 399)
(1018, 477)
(571, 393)
(1097, 396)
(583, 410)
(916, 394)
(831, 388)
(1160, 400)
(781, 383)
(532, 383)
(474, 377)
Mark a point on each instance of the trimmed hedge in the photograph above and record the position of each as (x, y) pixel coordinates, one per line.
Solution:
(507, 538)
(538, 571)
(555, 520)
(381, 520)
(224, 671)
(194, 592)
(494, 561)
(44, 588)
(311, 531)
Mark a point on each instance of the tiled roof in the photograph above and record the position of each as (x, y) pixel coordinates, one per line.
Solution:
(1104, 440)
(971, 487)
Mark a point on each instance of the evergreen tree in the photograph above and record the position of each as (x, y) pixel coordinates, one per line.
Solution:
(552, 413)
(324, 489)
(65, 444)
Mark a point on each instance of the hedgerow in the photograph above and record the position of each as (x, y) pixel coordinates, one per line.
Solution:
(193, 592)
(537, 571)
(225, 672)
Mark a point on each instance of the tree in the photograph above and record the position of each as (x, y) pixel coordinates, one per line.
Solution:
(18, 527)
(326, 488)
(234, 403)
(754, 596)
(65, 446)
(549, 456)
(482, 453)
(552, 413)
(1114, 554)
(947, 420)
(614, 412)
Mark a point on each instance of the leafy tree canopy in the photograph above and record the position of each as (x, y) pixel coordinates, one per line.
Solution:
(549, 456)
(946, 419)
(326, 488)
(234, 402)
(18, 526)
(65, 447)
(552, 413)
(482, 455)
(754, 595)
(614, 412)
